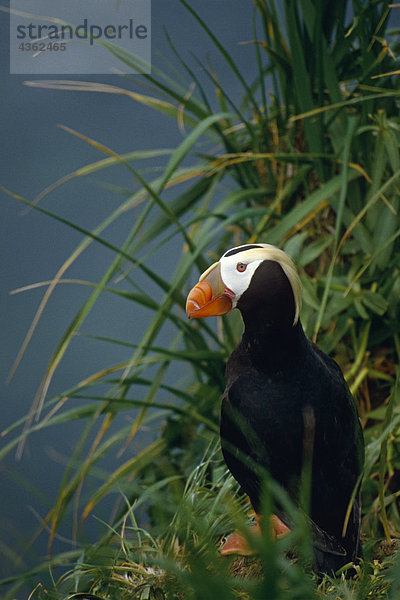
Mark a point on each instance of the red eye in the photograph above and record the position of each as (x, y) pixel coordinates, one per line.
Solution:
(241, 267)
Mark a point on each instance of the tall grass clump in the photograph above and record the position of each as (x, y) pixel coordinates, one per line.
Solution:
(305, 157)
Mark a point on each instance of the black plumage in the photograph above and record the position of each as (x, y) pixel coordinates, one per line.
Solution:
(285, 403)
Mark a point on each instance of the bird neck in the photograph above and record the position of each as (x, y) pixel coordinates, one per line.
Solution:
(273, 346)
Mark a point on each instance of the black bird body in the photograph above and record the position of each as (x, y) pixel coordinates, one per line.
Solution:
(282, 416)
(286, 404)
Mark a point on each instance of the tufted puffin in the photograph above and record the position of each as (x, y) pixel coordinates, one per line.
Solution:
(286, 402)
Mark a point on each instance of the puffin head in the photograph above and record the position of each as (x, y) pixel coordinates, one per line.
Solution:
(251, 277)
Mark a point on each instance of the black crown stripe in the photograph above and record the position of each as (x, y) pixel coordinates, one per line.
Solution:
(241, 249)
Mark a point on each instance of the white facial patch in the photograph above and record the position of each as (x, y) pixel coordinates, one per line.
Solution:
(237, 280)
(238, 268)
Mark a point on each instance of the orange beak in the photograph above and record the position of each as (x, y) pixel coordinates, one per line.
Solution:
(209, 297)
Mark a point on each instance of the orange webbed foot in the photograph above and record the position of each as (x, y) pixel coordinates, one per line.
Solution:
(238, 544)
(279, 529)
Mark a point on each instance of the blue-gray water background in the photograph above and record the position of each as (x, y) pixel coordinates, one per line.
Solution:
(35, 153)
